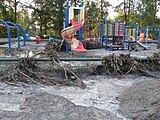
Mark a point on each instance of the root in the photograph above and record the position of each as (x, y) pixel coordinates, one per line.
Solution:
(27, 71)
(123, 64)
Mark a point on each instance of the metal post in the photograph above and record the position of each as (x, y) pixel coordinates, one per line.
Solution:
(158, 47)
(136, 34)
(18, 33)
(124, 35)
(9, 37)
(107, 40)
(24, 34)
(113, 32)
(102, 32)
(66, 23)
(80, 31)
(130, 30)
(118, 32)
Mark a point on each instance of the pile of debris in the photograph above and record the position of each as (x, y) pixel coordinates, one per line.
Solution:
(27, 71)
(124, 64)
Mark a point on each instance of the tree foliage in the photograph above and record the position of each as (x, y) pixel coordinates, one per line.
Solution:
(143, 12)
(45, 17)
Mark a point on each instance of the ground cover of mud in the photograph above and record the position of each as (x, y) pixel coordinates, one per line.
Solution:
(141, 101)
(105, 97)
(43, 106)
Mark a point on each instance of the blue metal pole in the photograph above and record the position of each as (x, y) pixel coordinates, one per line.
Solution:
(66, 23)
(80, 31)
(113, 32)
(9, 37)
(18, 33)
(130, 30)
(107, 40)
(118, 32)
(24, 34)
(124, 35)
(158, 47)
(136, 35)
(130, 25)
(102, 32)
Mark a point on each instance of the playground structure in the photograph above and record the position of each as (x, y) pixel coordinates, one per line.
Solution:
(18, 28)
(150, 29)
(113, 35)
(68, 31)
(119, 35)
(79, 30)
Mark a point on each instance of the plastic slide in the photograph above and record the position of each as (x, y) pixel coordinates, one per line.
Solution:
(140, 44)
(67, 33)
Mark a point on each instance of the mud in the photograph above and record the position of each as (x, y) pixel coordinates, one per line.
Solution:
(43, 106)
(141, 101)
(105, 97)
(98, 101)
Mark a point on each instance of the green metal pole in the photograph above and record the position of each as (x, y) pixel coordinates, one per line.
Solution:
(50, 59)
(71, 59)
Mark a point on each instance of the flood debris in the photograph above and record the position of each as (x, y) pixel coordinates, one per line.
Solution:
(26, 70)
(123, 64)
(91, 44)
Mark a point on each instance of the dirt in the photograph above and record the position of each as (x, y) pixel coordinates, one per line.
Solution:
(98, 101)
(105, 97)
(141, 101)
(43, 106)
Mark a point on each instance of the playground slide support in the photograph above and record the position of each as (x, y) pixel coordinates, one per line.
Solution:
(18, 33)
(9, 37)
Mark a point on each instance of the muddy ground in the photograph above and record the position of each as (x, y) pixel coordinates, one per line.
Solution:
(141, 101)
(130, 97)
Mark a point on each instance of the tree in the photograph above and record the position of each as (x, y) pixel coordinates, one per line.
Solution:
(49, 15)
(97, 9)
